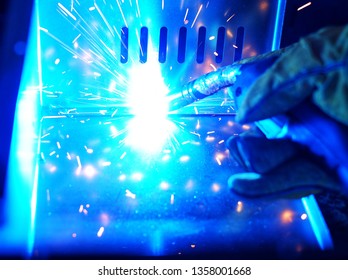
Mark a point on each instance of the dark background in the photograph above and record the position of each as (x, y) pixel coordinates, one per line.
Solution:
(14, 25)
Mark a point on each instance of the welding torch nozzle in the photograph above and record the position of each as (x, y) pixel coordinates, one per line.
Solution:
(212, 82)
(203, 87)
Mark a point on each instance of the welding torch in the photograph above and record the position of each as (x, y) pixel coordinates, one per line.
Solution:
(306, 124)
(212, 82)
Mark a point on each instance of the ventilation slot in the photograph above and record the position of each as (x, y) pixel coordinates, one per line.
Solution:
(239, 44)
(220, 45)
(124, 45)
(162, 53)
(144, 38)
(201, 44)
(182, 44)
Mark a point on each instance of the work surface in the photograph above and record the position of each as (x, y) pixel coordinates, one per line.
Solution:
(102, 193)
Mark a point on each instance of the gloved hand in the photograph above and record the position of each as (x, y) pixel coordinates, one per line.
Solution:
(315, 71)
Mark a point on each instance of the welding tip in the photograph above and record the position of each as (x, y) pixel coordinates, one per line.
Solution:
(203, 87)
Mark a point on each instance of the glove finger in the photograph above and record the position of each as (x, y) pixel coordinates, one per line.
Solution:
(295, 178)
(255, 153)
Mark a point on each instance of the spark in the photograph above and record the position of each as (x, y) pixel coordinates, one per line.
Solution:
(304, 6)
(104, 18)
(66, 11)
(182, 4)
(185, 17)
(239, 207)
(213, 66)
(44, 29)
(123, 155)
(218, 160)
(235, 46)
(137, 176)
(89, 171)
(196, 110)
(106, 163)
(122, 177)
(162, 4)
(304, 216)
(199, 11)
(216, 187)
(184, 159)
(74, 235)
(195, 133)
(68, 156)
(166, 157)
(57, 61)
(91, 8)
(45, 135)
(137, 4)
(164, 186)
(114, 131)
(100, 232)
(58, 145)
(229, 33)
(112, 86)
(198, 125)
(71, 110)
(130, 194)
(122, 14)
(222, 141)
(114, 113)
(287, 216)
(52, 153)
(231, 17)
(216, 54)
(89, 150)
(81, 208)
(246, 126)
(211, 38)
(78, 161)
(211, 132)
(172, 198)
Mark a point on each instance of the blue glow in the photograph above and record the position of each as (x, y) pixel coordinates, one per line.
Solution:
(278, 24)
(23, 168)
(84, 192)
(318, 224)
(150, 128)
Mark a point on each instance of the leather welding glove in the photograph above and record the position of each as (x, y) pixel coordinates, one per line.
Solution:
(277, 168)
(315, 69)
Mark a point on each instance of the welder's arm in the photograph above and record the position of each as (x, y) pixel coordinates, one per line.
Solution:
(313, 71)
